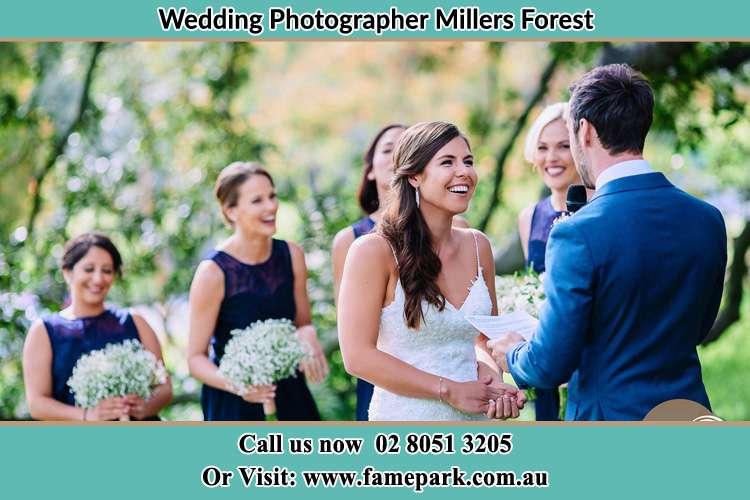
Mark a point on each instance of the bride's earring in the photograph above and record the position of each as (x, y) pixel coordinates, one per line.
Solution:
(416, 190)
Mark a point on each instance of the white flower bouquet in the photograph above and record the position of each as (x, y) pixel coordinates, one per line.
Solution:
(116, 371)
(263, 353)
(520, 292)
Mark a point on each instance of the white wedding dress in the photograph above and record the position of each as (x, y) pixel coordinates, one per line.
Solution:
(443, 346)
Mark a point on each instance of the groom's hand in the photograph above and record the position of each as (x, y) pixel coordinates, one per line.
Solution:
(500, 346)
(484, 371)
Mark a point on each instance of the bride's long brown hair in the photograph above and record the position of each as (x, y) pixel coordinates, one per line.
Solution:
(403, 225)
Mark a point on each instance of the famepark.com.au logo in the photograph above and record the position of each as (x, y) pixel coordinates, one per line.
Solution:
(681, 410)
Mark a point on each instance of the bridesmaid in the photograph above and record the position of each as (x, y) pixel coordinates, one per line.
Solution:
(54, 344)
(374, 186)
(250, 277)
(548, 149)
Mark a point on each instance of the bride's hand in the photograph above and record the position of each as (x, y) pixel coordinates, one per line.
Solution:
(508, 405)
(473, 397)
(314, 366)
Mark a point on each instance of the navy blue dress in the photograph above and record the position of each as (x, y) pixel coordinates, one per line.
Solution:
(364, 388)
(253, 293)
(547, 400)
(72, 338)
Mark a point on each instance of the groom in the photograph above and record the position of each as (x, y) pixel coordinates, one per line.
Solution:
(634, 279)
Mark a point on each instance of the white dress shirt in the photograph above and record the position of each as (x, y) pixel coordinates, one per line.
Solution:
(623, 169)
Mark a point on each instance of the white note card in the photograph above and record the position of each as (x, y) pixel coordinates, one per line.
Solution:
(495, 326)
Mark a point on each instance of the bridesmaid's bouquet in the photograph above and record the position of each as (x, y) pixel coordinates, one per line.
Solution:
(116, 371)
(263, 353)
(520, 292)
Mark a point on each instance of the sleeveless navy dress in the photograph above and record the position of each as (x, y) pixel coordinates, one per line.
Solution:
(364, 388)
(255, 293)
(72, 338)
(547, 400)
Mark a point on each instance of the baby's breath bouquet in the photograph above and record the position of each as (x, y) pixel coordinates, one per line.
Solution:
(263, 353)
(115, 371)
(520, 292)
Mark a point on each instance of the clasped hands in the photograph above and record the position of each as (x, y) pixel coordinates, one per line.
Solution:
(512, 399)
(503, 401)
(117, 407)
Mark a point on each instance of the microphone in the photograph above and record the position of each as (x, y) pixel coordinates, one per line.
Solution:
(576, 197)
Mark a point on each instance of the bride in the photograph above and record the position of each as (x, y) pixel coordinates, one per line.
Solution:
(405, 292)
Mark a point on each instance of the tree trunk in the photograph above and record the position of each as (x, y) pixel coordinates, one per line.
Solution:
(62, 139)
(733, 291)
(502, 157)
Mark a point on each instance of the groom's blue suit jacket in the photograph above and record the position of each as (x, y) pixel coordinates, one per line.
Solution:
(633, 284)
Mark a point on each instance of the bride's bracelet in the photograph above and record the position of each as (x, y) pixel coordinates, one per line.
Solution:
(440, 389)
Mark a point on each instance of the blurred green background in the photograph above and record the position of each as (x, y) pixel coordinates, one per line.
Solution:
(127, 138)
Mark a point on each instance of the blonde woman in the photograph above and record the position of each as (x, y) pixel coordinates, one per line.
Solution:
(548, 149)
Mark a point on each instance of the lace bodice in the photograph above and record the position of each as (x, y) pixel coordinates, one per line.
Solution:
(443, 346)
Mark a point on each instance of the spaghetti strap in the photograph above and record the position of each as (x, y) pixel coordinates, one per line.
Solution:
(392, 250)
(476, 247)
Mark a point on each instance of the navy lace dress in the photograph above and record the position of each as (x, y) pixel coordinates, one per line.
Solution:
(364, 388)
(72, 338)
(547, 400)
(255, 293)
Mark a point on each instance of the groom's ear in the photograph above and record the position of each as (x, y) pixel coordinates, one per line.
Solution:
(586, 132)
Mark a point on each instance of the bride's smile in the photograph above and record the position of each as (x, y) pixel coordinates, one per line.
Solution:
(449, 179)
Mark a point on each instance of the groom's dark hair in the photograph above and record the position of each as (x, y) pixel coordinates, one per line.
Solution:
(618, 101)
